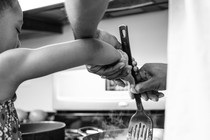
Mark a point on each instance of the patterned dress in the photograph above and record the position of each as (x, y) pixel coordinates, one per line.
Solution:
(9, 124)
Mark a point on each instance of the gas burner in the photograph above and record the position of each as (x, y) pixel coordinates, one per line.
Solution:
(78, 134)
(72, 134)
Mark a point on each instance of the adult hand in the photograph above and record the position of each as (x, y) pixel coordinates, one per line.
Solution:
(151, 77)
(155, 75)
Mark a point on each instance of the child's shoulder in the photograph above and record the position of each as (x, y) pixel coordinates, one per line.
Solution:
(8, 103)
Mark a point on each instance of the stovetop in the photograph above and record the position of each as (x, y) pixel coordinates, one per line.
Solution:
(104, 120)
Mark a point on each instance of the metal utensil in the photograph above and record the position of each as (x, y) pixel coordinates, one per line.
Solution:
(140, 125)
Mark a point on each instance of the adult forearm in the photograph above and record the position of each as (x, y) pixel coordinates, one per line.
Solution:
(103, 53)
(84, 16)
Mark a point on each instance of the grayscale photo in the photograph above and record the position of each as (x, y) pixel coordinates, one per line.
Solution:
(104, 69)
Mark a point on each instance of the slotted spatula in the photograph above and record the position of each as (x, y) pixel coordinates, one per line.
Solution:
(141, 125)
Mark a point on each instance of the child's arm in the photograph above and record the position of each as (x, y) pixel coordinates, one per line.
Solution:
(21, 64)
(32, 63)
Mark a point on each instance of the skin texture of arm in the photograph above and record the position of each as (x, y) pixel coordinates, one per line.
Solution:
(18, 65)
(84, 16)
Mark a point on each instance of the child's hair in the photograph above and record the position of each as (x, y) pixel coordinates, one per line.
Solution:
(4, 4)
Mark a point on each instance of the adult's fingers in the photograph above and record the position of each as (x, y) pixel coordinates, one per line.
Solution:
(147, 85)
(144, 75)
(144, 96)
(153, 96)
(160, 95)
(148, 95)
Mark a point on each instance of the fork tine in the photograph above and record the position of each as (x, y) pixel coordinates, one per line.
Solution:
(145, 133)
(138, 131)
(142, 130)
(132, 133)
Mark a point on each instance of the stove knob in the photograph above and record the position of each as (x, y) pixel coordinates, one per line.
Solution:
(123, 104)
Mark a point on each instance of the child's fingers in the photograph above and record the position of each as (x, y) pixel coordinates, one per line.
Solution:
(106, 70)
(93, 69)
(131, 95)
(119, 74)
(108, 38)
(119, 82)
(136, 70)
(130, 79)
(134, 63)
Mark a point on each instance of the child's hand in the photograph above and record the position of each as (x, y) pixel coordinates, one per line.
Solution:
(108, 38)
(118, 72)
(114, 71)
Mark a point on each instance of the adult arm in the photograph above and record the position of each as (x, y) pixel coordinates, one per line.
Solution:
(85, 15)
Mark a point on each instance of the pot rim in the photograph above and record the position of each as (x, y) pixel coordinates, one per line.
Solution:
(62, 125)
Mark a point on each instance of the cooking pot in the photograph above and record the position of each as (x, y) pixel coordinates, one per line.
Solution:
(46, 130)
(120, 134)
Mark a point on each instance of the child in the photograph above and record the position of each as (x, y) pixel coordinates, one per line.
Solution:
(19, 64)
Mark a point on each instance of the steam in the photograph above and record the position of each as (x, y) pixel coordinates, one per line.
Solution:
(121, 136)
(114, 121)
